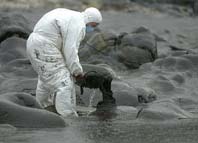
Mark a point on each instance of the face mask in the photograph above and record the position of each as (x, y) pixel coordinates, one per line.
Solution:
(89, 28)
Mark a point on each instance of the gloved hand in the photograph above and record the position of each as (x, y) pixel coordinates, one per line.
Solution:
(79, 79)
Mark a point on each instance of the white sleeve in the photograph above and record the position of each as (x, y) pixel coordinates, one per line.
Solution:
(72, 34)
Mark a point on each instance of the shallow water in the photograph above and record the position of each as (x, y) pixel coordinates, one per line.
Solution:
(91, 99)
(89, 130)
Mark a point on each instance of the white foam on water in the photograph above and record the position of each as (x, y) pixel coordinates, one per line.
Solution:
(91, 98)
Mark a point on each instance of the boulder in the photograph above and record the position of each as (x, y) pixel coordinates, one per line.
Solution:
(92, 3)
(23, 84)
(163, 110)
(97, 47)
(146, 95)
(195, 7)
(18, 68)
(128, 50)
(13, 24)
(7, 130)
(11, 49)
(117, 5)
(180, 2)
(181, 63)
(22, 110)
(137, 48)
(107, 4)
(124, 94)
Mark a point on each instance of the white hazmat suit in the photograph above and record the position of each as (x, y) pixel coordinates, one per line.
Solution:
(53, 52)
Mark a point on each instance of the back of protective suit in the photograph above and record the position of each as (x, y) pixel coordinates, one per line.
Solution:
(49, 25)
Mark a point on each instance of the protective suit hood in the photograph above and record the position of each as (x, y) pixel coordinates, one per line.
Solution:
(92, 15)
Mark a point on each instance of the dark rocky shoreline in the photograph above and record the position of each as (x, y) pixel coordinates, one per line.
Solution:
(171, 76)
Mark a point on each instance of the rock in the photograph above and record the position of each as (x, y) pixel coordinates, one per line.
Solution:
(141, 29)
(22, 110)
(71, 4)
(124, 94)
(117, 5)
(7, 130)
(12, 49)
(126, 50)
(20, 98)
(133, 57)
(93, 3)
(145, 39)
(107, 4)
(175, 10)
(98, 48)
(193, 59)
(27, 85)
(99, 43)
(195, 7)
(175, 63)
(186, 102)
(137, 48)
(13, 24)
(178, 78)
(180, 2)
(146, 95)
(163, 110)
(162, 85)
(18, 68)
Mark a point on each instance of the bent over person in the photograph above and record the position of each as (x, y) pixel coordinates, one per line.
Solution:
(52, 49)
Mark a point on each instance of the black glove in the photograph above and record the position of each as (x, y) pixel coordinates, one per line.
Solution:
(80, 79)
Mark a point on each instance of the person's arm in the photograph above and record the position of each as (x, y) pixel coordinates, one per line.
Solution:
(72, 34)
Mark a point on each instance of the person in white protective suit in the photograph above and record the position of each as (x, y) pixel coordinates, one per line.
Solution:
(52, 49)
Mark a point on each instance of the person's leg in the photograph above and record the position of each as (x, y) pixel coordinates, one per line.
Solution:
(65, 97)
(49, 63)
(43, 94)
